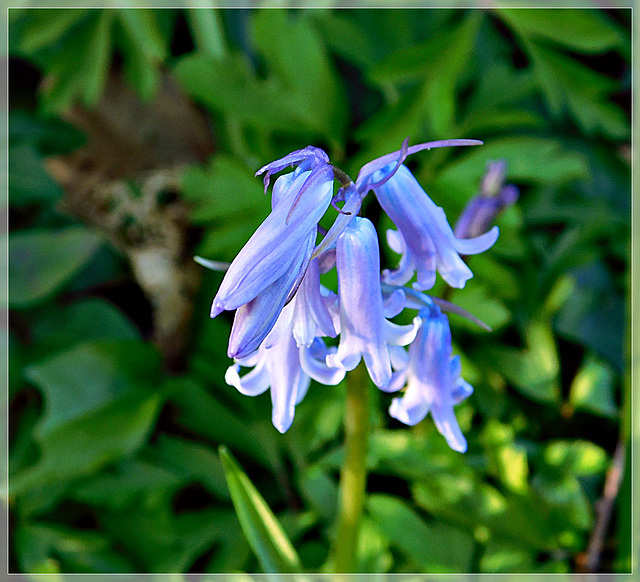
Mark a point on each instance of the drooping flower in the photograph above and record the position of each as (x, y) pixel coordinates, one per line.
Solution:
(284, 367)
(429, 242)
(300, 199)
(364, 331)
(432, 377)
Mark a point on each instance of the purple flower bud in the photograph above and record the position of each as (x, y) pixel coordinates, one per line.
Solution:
(429, 241)
(300, 200)
(432, 376)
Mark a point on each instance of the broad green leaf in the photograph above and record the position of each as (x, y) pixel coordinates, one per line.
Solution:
(581, 30)
(374, 554)
(87, 320)
(49, 547)
(29, 182)
(320, 492)
(507, 459)
(297, 59)
(125, 484)
(586, 93)
(432, 547)
(577, 458)
(42, 261)
(100, 403)
(594, 314)
(501, 557)
(524, 520)
(225, 191)
(265, 535)
(161, 540)
(476, 299)
(142, 26)
(196, 408)
(191, 461)
(529, 159)
(47, 26)
(534, 371)
(592, 388)
(229, 87)
(67, 81)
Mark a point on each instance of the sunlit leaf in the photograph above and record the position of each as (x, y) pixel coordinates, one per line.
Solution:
(265, 535)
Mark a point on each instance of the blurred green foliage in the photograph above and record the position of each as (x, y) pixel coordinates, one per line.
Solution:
(113, 462)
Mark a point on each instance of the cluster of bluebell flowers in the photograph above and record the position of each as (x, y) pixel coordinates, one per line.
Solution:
(283, 312)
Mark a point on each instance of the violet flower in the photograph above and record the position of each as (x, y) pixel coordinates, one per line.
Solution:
(432, 376)
(284, 367)
(482, 210)
(299, 201)
(426, 237)
(364, 331)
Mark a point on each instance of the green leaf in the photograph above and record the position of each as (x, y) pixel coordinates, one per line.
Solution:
(433, 547)
(69, 82)
(42, 261)
(48, 548)
(578, 458)
(100, 399)
(265, 535)
(196, 408)
(29, 182)
(297, 58)
(46, 27)
(125, 484)
(87, 320)
(225, 191)
(483, 304)
(161, 540)
(592, 388)
(529, 159)
(507, 460)
(581, 30)
(142, 26)
(192, 461)
(533, 371)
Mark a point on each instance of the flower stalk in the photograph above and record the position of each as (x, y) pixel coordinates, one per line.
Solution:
(353, 475)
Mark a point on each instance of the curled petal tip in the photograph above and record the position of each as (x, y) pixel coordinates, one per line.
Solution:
(216, 309)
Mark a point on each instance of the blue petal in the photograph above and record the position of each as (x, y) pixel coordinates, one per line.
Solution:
(267, 255)
(287, 379)
(429, 239)
(362, 323)
(254, 320)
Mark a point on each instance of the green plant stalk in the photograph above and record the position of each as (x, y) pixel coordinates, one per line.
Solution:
(353, 476)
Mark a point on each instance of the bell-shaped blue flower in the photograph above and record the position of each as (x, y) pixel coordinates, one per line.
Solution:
(285, 368)
(432, 377)
(300, 198)
(427, 238)
(364, 331)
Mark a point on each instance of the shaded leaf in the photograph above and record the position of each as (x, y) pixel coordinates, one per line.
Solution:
(42, 261)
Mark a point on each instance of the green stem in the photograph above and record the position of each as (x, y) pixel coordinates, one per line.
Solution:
(353, 476)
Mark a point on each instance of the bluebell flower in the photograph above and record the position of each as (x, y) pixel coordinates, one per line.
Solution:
(364, 330)
(432, 377)
(482, 210)
(425, 236)
(369, 178)
(299, 201)
(284, 367)
(255, 319)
